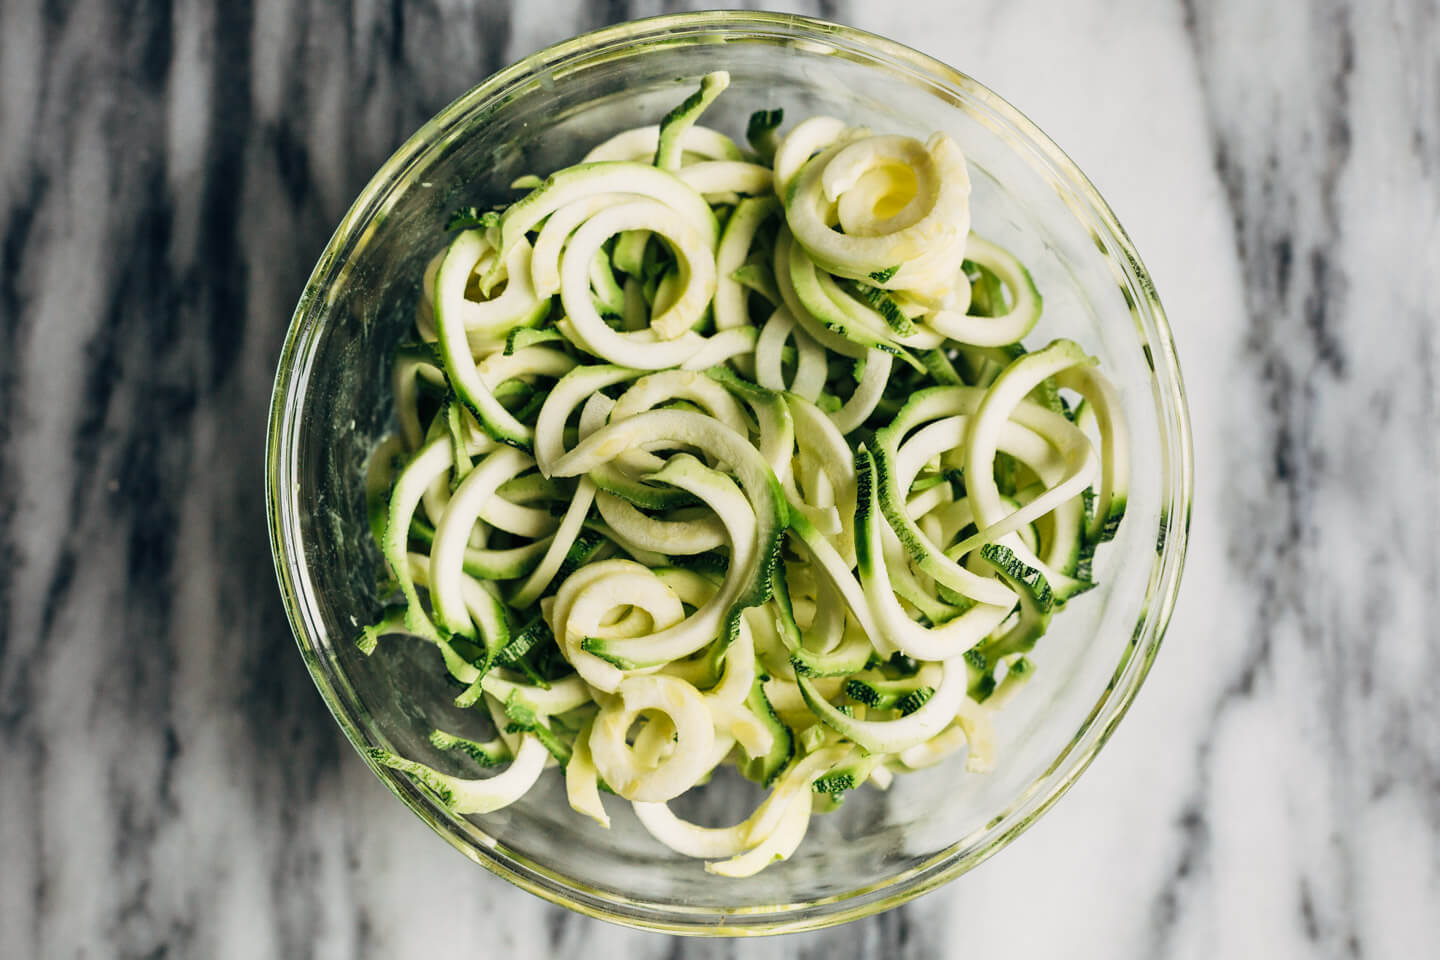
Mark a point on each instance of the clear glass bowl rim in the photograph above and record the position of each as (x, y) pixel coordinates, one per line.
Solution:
(282, 459)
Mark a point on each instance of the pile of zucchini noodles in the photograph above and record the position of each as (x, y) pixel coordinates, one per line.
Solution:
(710, 456)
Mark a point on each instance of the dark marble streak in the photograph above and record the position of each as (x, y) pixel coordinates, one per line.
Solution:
(1301, 204)
(195, 261)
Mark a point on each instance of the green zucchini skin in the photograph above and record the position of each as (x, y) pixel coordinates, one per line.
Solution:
(711, 457)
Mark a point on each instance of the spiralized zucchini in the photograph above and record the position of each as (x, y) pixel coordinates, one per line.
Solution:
(712, 458)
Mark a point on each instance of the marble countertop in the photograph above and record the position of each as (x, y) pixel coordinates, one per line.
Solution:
(170, 782)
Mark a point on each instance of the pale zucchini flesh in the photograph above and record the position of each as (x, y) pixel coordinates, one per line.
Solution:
(711, 457)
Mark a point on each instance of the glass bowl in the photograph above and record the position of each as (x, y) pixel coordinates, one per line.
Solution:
(331, 407)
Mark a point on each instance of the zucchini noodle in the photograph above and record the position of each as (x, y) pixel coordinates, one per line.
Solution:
(712, 459)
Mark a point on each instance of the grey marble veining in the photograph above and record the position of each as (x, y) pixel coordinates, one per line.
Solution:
(170, 782)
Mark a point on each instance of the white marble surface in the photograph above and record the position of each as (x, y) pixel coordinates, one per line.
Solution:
(170, 783)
